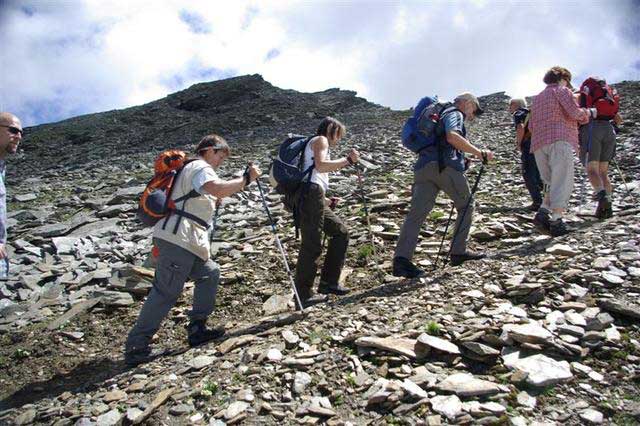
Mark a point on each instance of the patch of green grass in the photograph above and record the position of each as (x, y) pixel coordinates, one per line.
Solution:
(318, 335)
(236, 378)
(21, 354)
(621, 355)
(391, 420)
(351, 380)
(338, 400)
(365, 251)
(433, 328)
(549, 392)
(623, 419)
(435, 215)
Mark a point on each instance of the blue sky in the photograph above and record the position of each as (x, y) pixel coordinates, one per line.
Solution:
(64, 58)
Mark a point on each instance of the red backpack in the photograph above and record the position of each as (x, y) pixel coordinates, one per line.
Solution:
(596, 93)
(155, 201)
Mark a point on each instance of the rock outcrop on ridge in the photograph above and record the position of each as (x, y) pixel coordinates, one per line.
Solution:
(543, 331)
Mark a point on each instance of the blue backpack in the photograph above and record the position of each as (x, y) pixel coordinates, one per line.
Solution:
(286, 172)
(423, 129)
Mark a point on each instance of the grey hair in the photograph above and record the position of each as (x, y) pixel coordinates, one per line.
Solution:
(520, 102)
(465, 96)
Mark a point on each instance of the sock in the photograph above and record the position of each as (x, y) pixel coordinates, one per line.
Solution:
(556, 216)
(597, 189)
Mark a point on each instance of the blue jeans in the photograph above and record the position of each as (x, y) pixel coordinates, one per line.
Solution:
(4, 268)
(530, 173)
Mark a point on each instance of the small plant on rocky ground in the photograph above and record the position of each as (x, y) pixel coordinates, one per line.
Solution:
(351, 380)
(21, 354)
(338, 400)
(433, 328)
(209, 389)
(365, 251)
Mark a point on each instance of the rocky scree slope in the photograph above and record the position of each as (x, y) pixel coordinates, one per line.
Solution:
(544, 331)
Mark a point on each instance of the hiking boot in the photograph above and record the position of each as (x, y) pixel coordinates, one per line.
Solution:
(557, 228)
(136, 357)
(534, 207)
(326, 288)
(608, 209)
(542, 221)
(600, 198)
(199, 333)
(459, 259)
(313, 300)
(402, 267)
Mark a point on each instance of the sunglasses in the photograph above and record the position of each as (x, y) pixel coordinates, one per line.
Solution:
(13, 130)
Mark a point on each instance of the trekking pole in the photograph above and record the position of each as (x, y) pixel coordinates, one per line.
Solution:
(624, 181)
(366, 211)
(279, 245)
(466, 208)
(586, 162)
(215, 220)
(446, 228)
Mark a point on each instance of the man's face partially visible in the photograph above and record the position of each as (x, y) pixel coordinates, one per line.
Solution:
(10, 135)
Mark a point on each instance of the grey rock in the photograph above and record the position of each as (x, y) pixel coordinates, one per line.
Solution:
(466, 385)
(300, 382)
(110, 418)
(450, 406)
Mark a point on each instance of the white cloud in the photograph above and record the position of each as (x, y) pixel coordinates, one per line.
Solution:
(65, 58)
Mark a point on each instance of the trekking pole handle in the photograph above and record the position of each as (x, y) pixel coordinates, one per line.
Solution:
(485, 157)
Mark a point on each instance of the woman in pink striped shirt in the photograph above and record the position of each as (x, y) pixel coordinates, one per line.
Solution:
(554, 138)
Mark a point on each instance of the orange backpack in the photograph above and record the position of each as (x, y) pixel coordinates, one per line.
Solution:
(155, 201)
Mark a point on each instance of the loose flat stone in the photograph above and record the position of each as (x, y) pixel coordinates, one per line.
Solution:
(526, 400)
(235, 342)
(611, 278)
(400, 345)
(274, 355)
(114, 395)
(612, 334)
(528, 333)
(571, 330)
(600, 322)
(575, 318)
(592, 416)
(25, 418)
(542, 370)
(601, 263)
(25, 197)
(276, 304)
(450, 406)
(626, 309)
(562, 250)
(321, 411)
(201, 361)
(481, 349)
(291, 339)
(235, 409)
(413, 389)
(438, 344)
(493, 408)
(300, 382)
(110, 418)
(466, 385)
